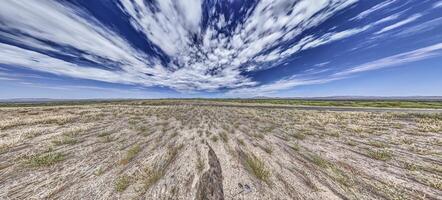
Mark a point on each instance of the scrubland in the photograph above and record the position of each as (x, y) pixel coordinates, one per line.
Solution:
(117, 151)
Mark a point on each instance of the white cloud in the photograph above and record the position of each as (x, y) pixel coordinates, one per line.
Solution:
(11, 55)
(216, 61)
(373, 9)
(267, 25)
(387, 19)
(64, 25)
(170, 27)
(399, 24)
(199, 58)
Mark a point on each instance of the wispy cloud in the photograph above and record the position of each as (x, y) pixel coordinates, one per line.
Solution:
(312, 78)
(373, 9)
(400, 23)
(277, 86)
(437, 4)
(398, 59)
(420, 28)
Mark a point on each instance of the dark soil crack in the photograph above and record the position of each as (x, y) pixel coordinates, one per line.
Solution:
(210, 186)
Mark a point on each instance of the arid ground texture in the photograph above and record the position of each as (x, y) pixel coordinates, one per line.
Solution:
(206, 151)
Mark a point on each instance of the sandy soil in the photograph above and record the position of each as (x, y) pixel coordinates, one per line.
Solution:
(111, 151)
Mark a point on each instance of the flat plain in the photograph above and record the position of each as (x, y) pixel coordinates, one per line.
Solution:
(148, 150)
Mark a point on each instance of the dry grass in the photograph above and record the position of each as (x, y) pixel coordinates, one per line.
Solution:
(130, 150)
(257, 168)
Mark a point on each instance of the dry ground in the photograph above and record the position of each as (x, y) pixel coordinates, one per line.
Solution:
(209, 152)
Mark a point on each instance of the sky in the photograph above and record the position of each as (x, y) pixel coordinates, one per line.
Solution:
(80, 49)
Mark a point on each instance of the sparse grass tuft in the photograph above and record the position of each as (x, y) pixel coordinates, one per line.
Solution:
(66, 139)
(308, 180)
(132, 122)
(107, 139)
(174, 134)
(131, 153)
(429, 124)
(382, 155)
(341, 177)
(44, 160)
(377, 144)
(259, 135)
(99, 171)
(334, 133)
(151, 176)
(407, 141)
(4, 148)
(224, 136)
(171, 155)
(142, 129)
(122, 183)
(240, 142)
(32, 133)
(295, 147)
(199, 164)
(319, 161)
(437, 184)
(200, 132)
(214, 138)
(268, 149)
(208, 133)
(298, 135)
(351, 143)
(104, 134)
(411, 166)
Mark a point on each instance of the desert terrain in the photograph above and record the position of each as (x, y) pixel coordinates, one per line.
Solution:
(207, 151)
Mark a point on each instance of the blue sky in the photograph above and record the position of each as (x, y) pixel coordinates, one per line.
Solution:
(224, 48)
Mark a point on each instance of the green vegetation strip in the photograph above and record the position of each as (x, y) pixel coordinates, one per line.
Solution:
(428, 104)
(343, 103)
